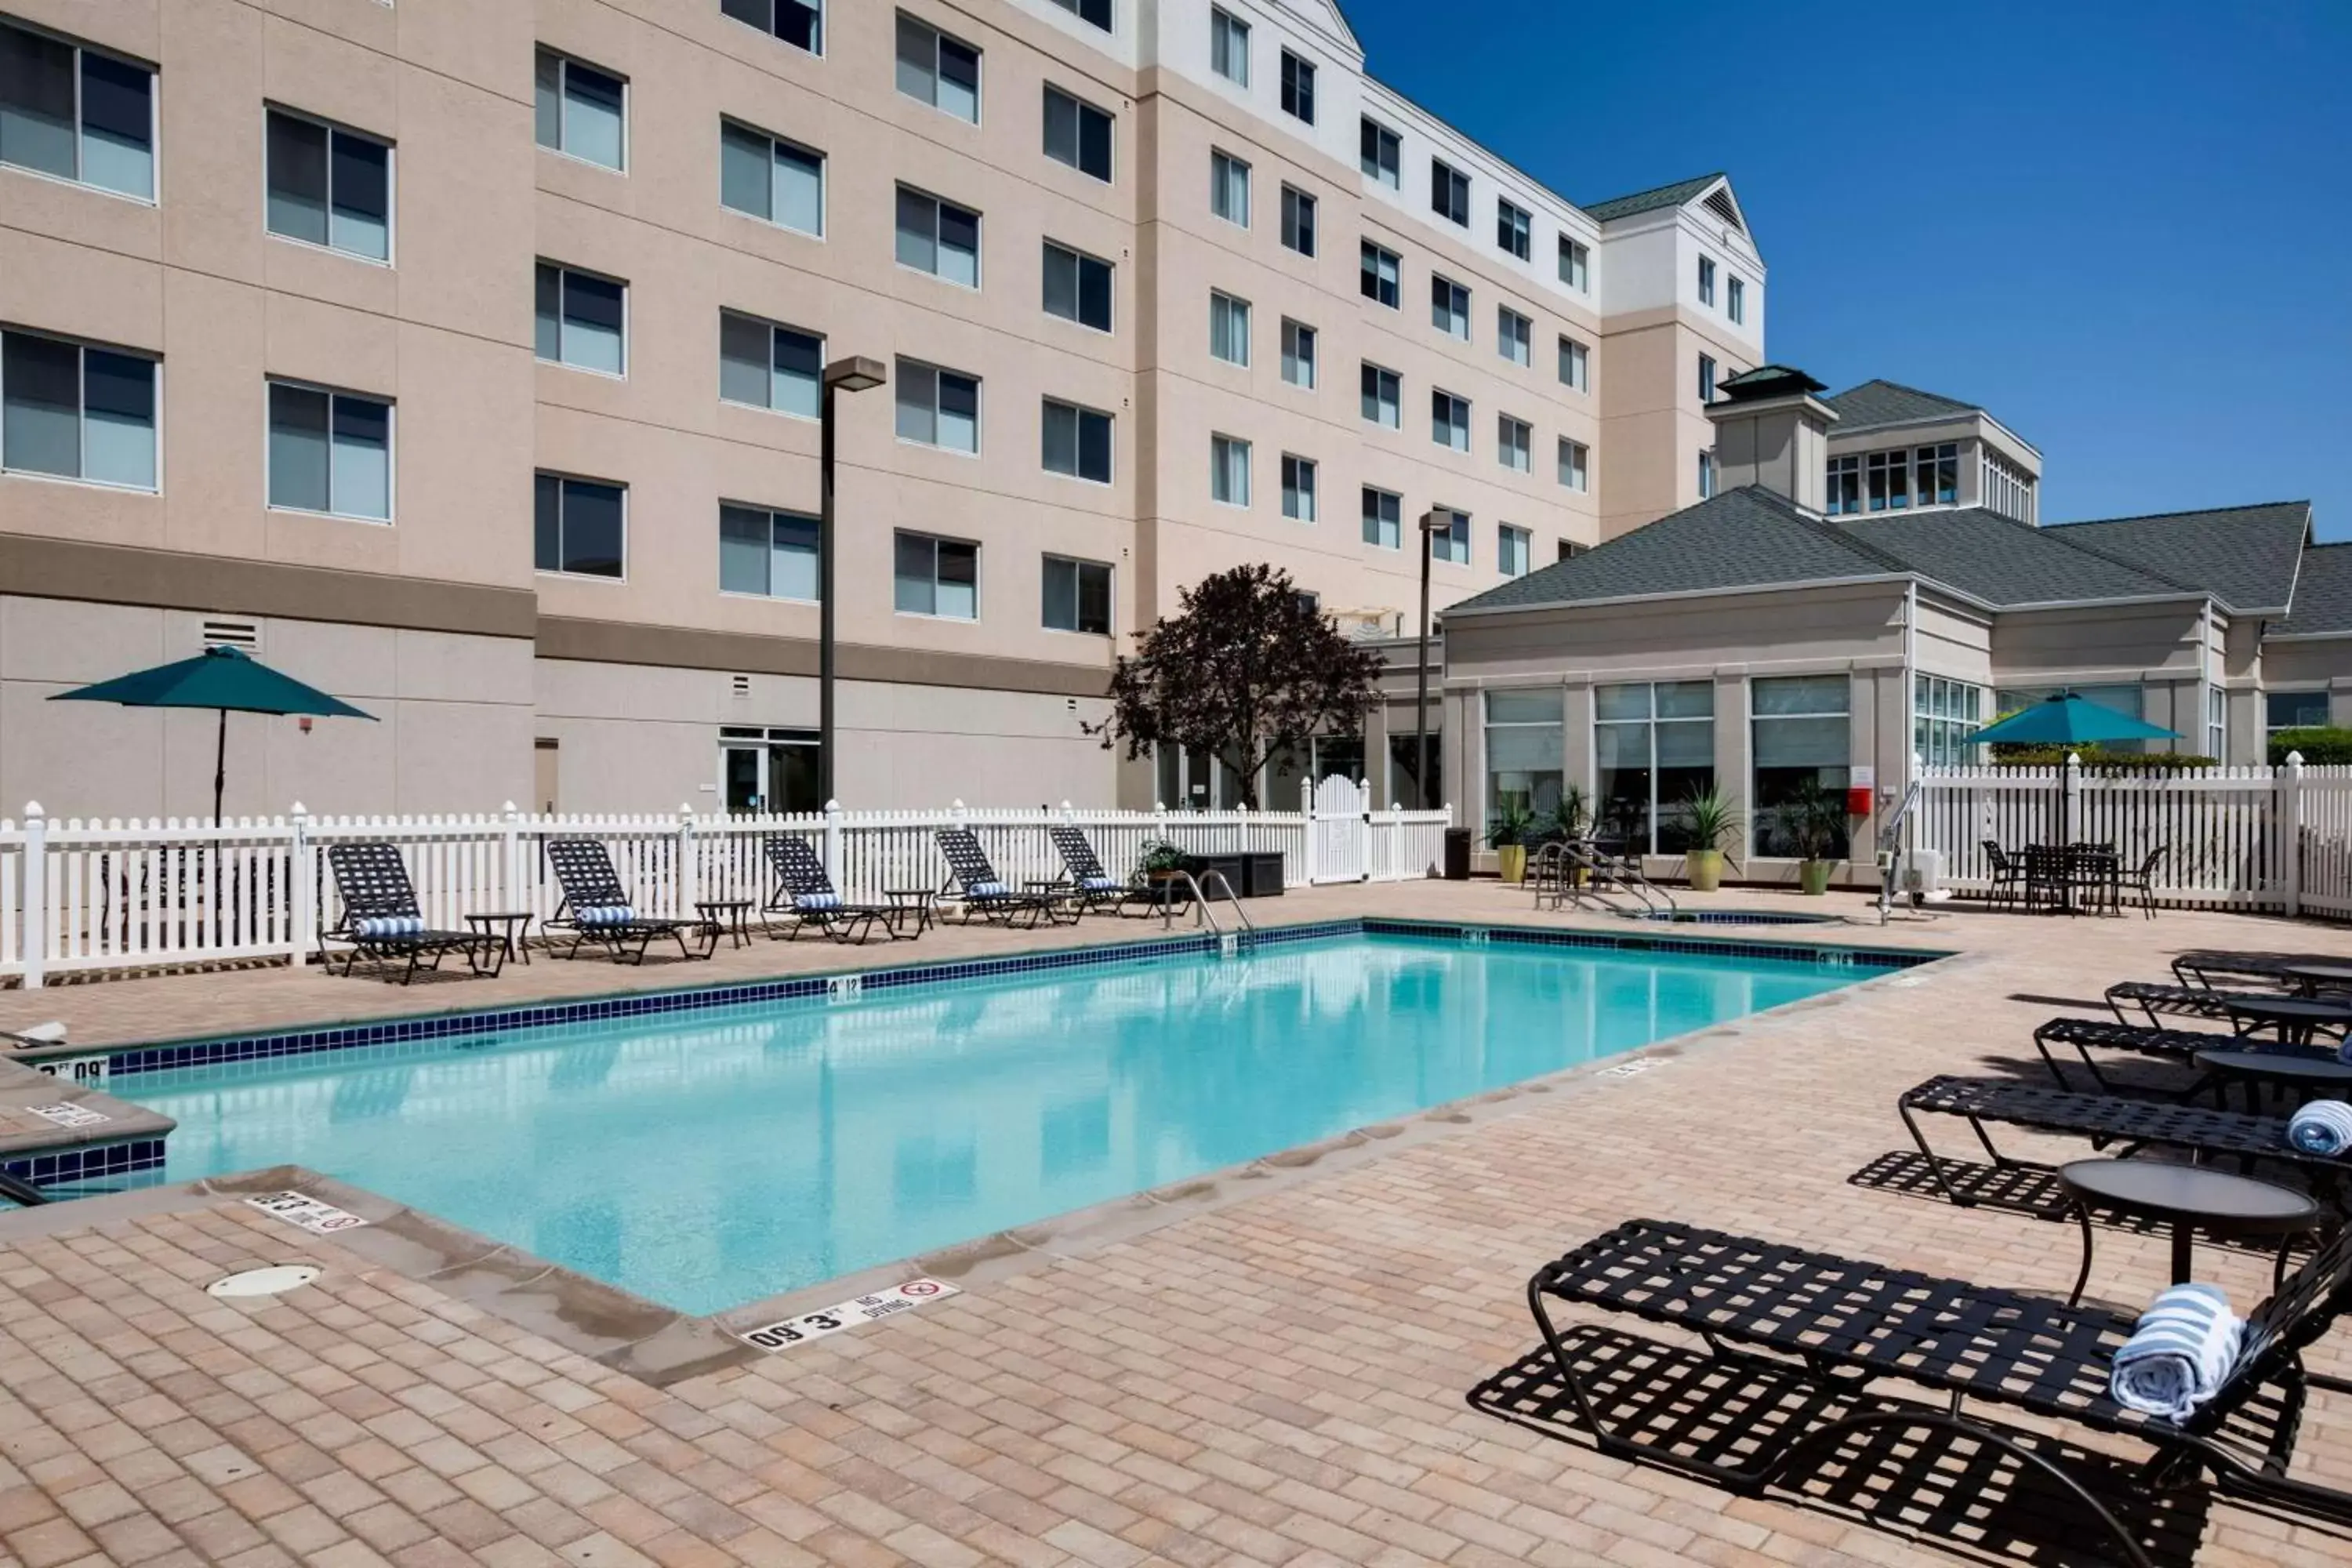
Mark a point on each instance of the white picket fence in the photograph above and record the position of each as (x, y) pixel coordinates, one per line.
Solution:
(2270, 839)
(78, 897)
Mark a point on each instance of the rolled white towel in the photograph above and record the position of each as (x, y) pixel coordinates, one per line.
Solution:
(2178, 1353)
(52, 1033)
(2323, 1127)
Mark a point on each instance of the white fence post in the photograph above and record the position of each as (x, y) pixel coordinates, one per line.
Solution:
(688, 879)
(2289, 831)
(832, 841)
(304, 935)
(1306, 809)
(510, 865)
(1160, 821)
(37, 898)
(2073, 787)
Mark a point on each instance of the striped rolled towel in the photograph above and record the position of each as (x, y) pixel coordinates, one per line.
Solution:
(2323, 1127)
(2178, 1354)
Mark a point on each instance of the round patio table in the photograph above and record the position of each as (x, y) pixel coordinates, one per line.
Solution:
(2311, 979)
(2293, 1018)
(2187, 1199)
(2277, 1072)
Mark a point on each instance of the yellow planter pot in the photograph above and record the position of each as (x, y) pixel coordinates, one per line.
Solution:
(1511, 859)
(1813, 877)
(1705, 868)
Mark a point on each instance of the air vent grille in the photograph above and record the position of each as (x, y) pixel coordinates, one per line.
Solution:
(242, 636)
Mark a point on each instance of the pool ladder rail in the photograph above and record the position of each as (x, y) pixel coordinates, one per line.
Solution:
(1202, 913)
(1555, 866)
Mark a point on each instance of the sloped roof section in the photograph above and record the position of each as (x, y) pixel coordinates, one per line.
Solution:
(2246, 555)
(1327, 15)
(1876, 403)
(1672, 195)
(2323, 593)
(2002, 561)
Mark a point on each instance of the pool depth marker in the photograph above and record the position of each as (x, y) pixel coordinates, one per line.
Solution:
(787, 1333)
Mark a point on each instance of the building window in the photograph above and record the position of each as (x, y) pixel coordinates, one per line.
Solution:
(1077, 133)
(1706, 475)
(578, 526)
(2293, 710)
(581, 319)
(329, 452)
(771, 554)
(1706, 378)
(330, 186)
(2217, 724)
(77, 411)
(1706, 281)
(1514, 336)
(1377, 150)
(1514, 439)
(1298, 489)
(1653, 750)
(1229, 54)
(1229, 471)
(1383, 397)
(932, 576)
(2004, 486)
(75, 114)
(798, 23)
(581, 111)
(1380, 278)
(1514, 228)
(1575, 265)
(1735, 299)
(938, 238)
(1890, 480)
(1575, 365)
(1229, 329)
(1077, 441)
(771, 180)
(1299, 354)
(1801, 739)
(1449, 191)
(1094, 13)
(1297, 220)
(1944, 715)
(1449, 420)
(1078, 287)
(1229, 181)
(2124, 699)
(938, 407)
(1939, 474)
(1383, 519)
(1575, 461)
(1077, 597)
(937, 69)
(1451, 543)
(1512, 547)
(1449, 307)
(764, 364)
(1298, 88)
(1846, 486)
(1525, 760)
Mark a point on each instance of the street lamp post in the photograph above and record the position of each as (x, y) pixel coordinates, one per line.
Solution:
(1433, 523)
(855, 373)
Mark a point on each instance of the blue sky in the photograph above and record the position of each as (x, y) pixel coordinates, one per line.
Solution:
(2125, 229)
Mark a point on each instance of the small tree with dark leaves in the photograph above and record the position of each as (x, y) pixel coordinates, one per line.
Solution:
(1246, 668)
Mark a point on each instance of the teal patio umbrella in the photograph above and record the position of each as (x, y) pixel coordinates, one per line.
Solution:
(227, 679)
(2067, 720)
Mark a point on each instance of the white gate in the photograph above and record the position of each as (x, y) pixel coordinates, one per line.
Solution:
(1337, 812)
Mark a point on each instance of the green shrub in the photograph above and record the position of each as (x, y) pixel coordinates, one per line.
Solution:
(2098, 758)
(2320, 744)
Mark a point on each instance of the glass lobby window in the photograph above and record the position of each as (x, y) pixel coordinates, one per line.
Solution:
(766, 365)
(1653, 748)
(1802, 736)
(577, 526)
(933, 576)
(579, 110)
(330, 186)
(769, 554)
(77, 411)
(1524, 755)
(1944, 713)
(1078, 287)
(75, 114)
(329, 452)
(1077, 133)
(580, 319)
(768, 178)
(800, 22)
(937, 69)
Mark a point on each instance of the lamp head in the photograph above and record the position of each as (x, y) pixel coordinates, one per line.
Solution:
(855, 373)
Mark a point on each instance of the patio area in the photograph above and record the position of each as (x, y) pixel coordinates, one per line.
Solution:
(1273, 1371)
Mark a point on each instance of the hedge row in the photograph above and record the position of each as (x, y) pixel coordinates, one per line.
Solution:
(2320, 745)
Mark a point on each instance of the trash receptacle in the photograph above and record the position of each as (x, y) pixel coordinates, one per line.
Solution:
(1262, 876)
(1457, 854)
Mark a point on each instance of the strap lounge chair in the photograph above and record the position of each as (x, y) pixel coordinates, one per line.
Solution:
(596, 906)
(984, 892)
(1091, 887)
(2155, 999)
(2205, 966)
(1820, 1328)
(381, 919)
(805, 891)
(2179, 1046)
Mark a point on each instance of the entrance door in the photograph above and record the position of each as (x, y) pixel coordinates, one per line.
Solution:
(791, 775)
(739, 777)
(544, 773)
(763, 770)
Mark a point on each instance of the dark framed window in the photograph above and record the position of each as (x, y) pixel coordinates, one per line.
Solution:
(1297, 220)
(76, 411)
(933, 576)
(1077, 441)
(75, 114)
(1094, 13)
(1514, 228)
(937, 69)
(1078, 287)
(1380, 280)
(800, 22)
(580, 111)
(330, 186)
(766, 177)
(938, 238)
(1298, 88)
(329, 452)
(1077, 595)
(1378, 150)
(1449, 191)
(581, 319)
(766, 365)
(578, 526)
(1077, 133)
(772, 554)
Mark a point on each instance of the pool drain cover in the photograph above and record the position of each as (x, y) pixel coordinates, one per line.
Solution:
(275, 1280)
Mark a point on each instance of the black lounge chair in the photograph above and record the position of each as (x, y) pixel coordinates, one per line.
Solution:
(596, 908)
(2203, 966)
(2179, 1046)
(984, 893)
(1820, 1328)
(2155, 999)
(805, 891)
(381, 919)
(2105, 1119)
(1090, 886)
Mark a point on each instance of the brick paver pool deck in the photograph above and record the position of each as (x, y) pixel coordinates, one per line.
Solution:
(1273, 1376)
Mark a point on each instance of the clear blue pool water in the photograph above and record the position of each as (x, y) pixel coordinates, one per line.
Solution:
(706, 1159)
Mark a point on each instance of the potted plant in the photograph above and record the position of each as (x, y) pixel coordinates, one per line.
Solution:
(1569, 821)
(1813, 823)
(1508, 836)
(1711, 820)
(1159, 861)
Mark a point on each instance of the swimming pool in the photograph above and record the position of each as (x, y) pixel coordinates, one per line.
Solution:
(708, 1158)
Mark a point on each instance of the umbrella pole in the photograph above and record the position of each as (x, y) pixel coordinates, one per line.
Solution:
(220, 766)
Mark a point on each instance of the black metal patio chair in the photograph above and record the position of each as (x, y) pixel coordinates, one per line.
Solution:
(1824, 1328)
(596, 908)
(380, 917)
(805, 891)
(1091, 887)
(986, 894)
(2141, 880)
(2008, 885)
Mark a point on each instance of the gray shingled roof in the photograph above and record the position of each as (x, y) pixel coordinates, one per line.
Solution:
(1996, 559)
(2323, 592)
(1672, 195)
(2246, 555)
(1876, 403)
